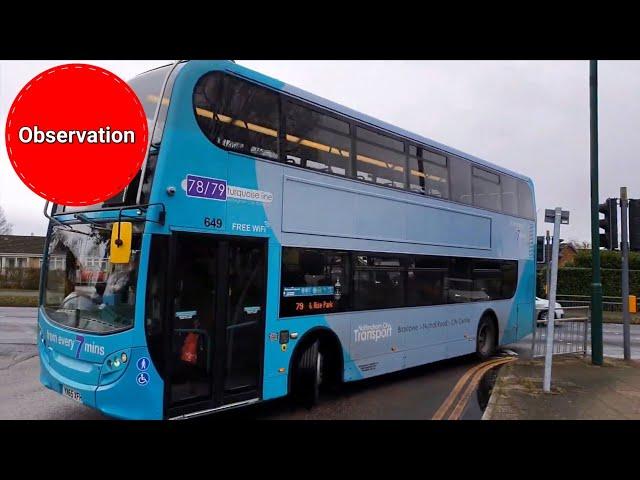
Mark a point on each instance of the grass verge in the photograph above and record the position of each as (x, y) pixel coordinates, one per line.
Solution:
(18, 301)
(616, 317)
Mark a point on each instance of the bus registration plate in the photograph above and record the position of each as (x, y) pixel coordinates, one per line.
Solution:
(71, 393)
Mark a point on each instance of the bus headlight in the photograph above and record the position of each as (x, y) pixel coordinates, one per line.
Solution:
(113, 367)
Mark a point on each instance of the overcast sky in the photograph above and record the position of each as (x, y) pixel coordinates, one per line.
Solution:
(531, 117)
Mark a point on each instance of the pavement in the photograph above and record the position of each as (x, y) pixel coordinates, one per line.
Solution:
(579, 390)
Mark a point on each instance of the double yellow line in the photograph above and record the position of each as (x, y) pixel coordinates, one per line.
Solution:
(457, 400)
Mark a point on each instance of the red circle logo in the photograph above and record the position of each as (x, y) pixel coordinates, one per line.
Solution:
(76, 134)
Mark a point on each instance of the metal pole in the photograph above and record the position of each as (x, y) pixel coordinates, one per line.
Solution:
(548, 258)
(585, 346)
(624, 247)
(596, 284)
(548, 358)
(533, 335)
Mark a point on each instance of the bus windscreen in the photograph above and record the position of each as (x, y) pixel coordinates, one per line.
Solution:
(83, 290)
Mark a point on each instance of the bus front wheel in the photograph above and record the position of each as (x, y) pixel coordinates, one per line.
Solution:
(308, 375)
(486, 338)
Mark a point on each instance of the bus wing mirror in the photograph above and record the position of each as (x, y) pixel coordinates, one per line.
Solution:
(121, 235)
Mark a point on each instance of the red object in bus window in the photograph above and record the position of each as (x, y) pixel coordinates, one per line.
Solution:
(189, 352)
(92, 276)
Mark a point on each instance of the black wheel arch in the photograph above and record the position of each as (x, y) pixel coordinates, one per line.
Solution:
(329, 341)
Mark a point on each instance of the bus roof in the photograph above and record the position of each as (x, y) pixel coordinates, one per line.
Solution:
(154, 69)
(336, 107)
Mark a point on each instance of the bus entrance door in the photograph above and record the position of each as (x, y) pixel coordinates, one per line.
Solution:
(217, 287)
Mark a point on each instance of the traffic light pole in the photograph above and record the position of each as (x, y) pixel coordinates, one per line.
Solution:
(596, 285)
(624, 246)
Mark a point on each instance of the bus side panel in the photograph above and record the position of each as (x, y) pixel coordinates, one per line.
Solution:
(526, 300)
(520, 320)
(330, 215)
(336, 211)
(269, 177)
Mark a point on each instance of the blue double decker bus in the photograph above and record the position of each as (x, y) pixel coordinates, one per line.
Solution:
(276, 243)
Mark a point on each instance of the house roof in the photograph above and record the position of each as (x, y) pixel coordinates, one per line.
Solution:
(568, 246)
(26, 244)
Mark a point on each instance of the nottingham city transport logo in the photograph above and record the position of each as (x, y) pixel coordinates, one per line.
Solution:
(372, 333)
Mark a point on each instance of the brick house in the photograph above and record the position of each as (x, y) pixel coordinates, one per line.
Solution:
(566, 254)
(21, 251)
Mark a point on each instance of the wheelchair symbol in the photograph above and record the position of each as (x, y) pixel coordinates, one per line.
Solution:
(142, 378)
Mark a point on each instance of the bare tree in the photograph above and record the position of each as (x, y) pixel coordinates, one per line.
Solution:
(5, 227)
(579, 244)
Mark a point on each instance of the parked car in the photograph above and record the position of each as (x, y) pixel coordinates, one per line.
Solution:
(542, 311)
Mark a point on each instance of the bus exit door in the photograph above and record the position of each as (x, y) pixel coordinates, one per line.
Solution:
(216, 324)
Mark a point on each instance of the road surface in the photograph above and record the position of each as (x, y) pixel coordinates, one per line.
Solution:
(411, 394)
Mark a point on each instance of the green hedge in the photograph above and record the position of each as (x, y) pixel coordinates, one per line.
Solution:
(20, 278)
(608, 259)
(577, 281)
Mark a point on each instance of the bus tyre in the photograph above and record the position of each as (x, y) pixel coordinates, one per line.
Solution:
(486, 338)
(308, 375)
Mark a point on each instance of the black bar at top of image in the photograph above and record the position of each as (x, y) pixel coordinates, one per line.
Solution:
(288, 33)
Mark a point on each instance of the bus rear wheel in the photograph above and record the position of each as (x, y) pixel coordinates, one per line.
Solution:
(486, 338)
(308, 375)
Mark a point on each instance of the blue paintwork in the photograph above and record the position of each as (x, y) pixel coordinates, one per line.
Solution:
(306, 209)
(114, 393)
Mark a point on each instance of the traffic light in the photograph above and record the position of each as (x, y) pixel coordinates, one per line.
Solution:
(634, 224)
(540, 250)
(609, 239)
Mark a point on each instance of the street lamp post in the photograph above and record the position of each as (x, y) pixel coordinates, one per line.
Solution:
(596, 284)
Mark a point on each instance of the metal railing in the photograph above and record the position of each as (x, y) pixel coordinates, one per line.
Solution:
(570, 333)
(609, 304)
